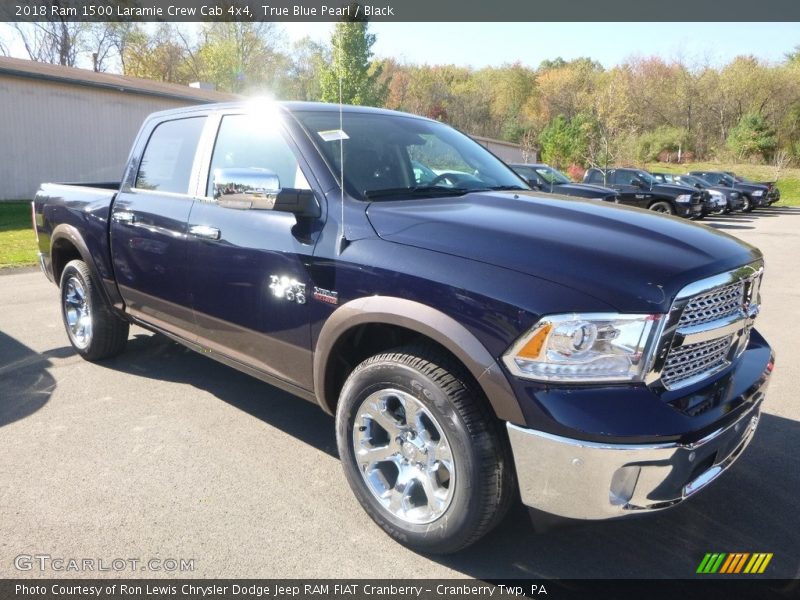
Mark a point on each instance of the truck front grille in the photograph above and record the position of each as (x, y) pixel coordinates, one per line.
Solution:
(716, 304)
(688, 362)
(713, 326)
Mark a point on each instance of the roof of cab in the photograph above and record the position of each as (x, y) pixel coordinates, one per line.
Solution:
(290, 106)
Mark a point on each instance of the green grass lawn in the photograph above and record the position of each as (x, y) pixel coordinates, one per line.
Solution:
(17, 240)
(788, 184)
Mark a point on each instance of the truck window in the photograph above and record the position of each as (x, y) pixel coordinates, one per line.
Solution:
(595, 177)
(246, 141)
(393, 156)
(166, 164)
(622, 177)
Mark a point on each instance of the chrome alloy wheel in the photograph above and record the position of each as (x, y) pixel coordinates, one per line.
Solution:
(77, 313)
(404, 457)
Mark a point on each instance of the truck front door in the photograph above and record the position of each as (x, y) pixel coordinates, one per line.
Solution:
(633, 191)
(248, 267)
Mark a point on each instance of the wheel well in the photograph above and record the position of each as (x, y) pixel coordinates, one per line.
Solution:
(657, 200)
(63, 251)
(361, 342)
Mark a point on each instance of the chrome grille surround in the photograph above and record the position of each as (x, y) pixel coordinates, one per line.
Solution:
(707, 327)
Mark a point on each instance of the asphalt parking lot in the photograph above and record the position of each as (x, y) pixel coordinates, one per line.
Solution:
(162, 453)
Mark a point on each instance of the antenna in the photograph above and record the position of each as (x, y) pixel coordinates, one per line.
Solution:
(343, 234)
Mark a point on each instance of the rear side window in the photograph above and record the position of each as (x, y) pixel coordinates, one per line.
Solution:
(166, 164)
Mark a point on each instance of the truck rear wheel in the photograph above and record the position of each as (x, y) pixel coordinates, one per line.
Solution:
(422, 451)
(93, 330)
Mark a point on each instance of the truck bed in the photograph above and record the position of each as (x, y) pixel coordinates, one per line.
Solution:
(75, 211)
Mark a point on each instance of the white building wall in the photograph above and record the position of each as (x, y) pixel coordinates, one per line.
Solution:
(54, 132)
(68, 132)
(506, 151)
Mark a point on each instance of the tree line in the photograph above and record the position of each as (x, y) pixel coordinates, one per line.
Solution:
(572, 112)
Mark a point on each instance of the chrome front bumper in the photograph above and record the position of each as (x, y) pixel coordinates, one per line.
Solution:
(586, 480)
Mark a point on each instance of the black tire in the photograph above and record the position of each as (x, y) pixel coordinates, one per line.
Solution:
(107, 333)
(481, 458)
(663, 207)
(748, 204)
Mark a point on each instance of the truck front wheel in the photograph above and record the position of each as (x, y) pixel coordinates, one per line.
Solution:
(422, 451)
(662, 207)
(93, 330)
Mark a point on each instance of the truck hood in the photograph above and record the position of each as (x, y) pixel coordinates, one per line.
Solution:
(722, 189)
(751, 187)
(631, 259)
(672, 188)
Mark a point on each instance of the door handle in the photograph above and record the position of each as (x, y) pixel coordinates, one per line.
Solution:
(124, 216)
(205, 232)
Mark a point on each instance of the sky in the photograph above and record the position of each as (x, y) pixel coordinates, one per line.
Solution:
(483, 44)
(493, 44)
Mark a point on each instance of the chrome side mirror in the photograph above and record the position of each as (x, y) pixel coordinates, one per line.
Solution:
(246, 188)
(260, 189)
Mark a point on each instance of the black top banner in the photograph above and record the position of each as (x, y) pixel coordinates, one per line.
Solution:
(403, 10)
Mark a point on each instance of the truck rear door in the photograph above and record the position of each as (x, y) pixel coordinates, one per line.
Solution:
(149, 223)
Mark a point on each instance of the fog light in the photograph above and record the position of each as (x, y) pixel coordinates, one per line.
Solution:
(622, 485)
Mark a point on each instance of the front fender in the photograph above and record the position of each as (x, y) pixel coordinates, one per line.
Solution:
(426, 321)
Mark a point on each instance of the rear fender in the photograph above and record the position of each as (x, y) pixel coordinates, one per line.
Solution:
(70, 234)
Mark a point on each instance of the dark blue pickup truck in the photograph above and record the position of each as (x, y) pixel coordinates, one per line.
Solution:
(473, 340)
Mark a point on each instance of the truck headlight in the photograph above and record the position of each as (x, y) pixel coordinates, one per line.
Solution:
(583, 348)
(718, 197)
(684, 198)
(758, 193)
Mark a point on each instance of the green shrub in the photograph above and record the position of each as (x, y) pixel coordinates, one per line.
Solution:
(753, 138)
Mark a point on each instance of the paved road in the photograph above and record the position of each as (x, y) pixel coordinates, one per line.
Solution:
(162, 453)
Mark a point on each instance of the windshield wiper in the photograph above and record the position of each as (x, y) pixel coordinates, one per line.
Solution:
(503, 188)
(419, 191)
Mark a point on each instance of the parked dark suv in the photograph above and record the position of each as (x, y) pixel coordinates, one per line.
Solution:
(723, 198)
(547, 179)
(638, 188)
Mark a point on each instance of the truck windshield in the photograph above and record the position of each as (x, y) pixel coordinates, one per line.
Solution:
(647, 178)
(550, 175)
(692, 180)
(394, 157)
